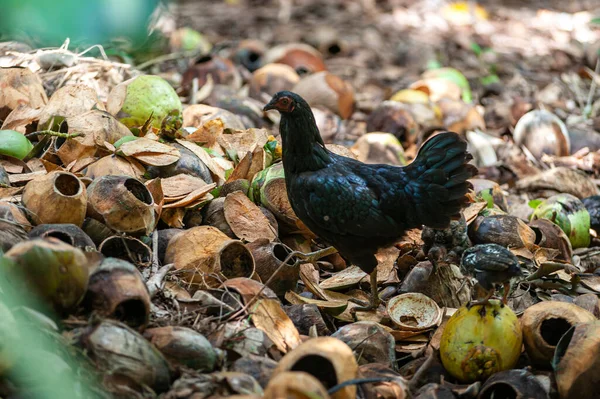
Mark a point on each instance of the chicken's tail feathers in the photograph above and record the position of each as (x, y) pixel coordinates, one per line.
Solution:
(438, 179)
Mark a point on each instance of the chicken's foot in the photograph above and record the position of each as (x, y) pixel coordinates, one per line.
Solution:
(310, 257)
(374, 300)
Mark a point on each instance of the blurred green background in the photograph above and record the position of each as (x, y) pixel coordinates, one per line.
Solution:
(47, 23)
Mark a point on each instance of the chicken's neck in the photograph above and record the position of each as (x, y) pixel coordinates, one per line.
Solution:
(303, 147)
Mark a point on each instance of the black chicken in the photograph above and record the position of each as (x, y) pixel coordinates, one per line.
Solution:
(490, 264)
(358, 208)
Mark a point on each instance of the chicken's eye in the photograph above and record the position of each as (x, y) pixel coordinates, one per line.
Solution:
(285, 101)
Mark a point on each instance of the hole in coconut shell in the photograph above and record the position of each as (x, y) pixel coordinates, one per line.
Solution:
(67, 185)
(139, 191)
(539, 236)
(132, 312)
(500, 390)
(126, 248)
(281, 252)
(334, 49)
(204, 59)
(318, 366)
(553, 329)
(236, 260)
(61, 235)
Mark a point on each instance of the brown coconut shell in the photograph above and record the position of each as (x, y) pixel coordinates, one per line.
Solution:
(545, 323)
(303, 58)
(328, 359)
(328, 90)
(123, 203)
(206, 257)
(268, 257)
(272, 78)
(295, 385)
(58, 197)
(505, 230)
(577, 362)
(117, 290)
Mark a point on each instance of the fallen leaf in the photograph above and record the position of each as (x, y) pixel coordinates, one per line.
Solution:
(192, 197)
(181, 185)
(246, 219)
(150, 152)
(268, 316)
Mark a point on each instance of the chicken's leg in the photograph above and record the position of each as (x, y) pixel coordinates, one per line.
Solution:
(311, 257)
(506, 292)
(482, 302)
(374, 300)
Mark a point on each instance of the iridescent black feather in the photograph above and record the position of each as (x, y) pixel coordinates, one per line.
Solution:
(358, 207)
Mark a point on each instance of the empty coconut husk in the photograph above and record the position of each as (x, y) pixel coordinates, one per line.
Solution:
(69, 233)
(54, 271)
(117, 348)
(117, 290)
(295, 385)
(268, 257)
(576, 361)
(513, 383)
(545, 323)
(206, 257)
(123, 203)
(328, 359)
(127, 248)
(184, 346)
(13, 226)
(57, 197)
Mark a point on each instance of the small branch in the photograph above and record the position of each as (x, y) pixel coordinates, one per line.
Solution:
(55, 134)
(588, 105)
(155, 282)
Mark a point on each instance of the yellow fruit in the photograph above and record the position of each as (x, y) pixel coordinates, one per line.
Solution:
(477, 343)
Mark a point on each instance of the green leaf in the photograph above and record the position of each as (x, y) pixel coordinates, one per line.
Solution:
(487, 80)
(476, 48)
(534, 203)
(595, 21)
(270, 146)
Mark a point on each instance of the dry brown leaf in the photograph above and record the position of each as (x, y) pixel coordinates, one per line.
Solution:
(24, 177)
(258, 163)
(310, 277)
(244, 141)
(200, 201)
(242, 168)
(559, 180)
(70, 101)
(181, 185)
(12, 167)
(471, 212)
(20, 86)
(246, 219)
(9, 193)
(150, 152)
(173, 217)
(208, 133)
(268, 316)
(20, 117)
(156, 190)
(216, 169)
(192, 197)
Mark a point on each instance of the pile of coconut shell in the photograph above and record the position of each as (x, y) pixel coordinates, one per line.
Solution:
(150, 247)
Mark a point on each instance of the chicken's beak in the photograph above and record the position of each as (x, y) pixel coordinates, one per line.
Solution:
(269, 106)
